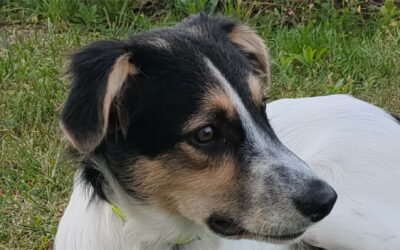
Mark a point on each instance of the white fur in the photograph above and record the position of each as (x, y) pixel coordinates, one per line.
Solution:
(351, 144)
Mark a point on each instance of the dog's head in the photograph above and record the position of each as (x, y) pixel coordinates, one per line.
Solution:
(178, 116)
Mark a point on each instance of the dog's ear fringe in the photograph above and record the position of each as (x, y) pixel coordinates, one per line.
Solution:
(253, 46)
(98, 73)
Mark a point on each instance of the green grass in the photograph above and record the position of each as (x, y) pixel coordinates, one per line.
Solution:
(319, 52)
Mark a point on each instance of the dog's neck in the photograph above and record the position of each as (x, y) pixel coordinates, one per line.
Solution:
(155, 229)
(152, 227)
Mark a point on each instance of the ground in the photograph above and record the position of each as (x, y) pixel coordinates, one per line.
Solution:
(315, 50)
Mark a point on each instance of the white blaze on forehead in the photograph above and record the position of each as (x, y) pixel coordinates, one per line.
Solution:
(272, 152)
(252, 130)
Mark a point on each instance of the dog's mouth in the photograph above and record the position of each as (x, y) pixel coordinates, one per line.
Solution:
(228, 228)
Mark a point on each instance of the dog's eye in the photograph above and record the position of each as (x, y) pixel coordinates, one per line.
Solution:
(205, 135)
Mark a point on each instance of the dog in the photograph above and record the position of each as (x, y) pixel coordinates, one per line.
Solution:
(176, 150)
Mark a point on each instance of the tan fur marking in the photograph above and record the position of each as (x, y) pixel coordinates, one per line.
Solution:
(193, 154)
(218, 99)
(82, 146)
(191, 191)
(69, 137)
(248, 40)
(256, 88)
(121, 70)
(215, 100)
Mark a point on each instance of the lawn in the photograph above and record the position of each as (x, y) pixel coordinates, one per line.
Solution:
(316, 49)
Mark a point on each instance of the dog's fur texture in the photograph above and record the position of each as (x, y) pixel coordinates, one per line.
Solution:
(171, 128)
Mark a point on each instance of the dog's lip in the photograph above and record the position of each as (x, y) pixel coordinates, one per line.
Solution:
(290, 236)
(268, 237)
(234, 230)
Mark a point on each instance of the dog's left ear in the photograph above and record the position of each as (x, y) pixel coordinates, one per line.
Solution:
(99, 72)
(247, 40)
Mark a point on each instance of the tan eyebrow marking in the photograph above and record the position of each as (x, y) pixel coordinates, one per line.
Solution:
(214, 100)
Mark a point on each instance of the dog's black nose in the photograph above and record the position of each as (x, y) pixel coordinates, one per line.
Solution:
(317, 200)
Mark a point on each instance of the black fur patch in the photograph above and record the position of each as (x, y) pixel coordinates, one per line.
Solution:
(95, 178)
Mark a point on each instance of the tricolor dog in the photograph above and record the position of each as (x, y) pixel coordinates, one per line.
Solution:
(176, 150)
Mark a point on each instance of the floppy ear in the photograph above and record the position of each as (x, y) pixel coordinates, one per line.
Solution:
(247, 40)
(98, 73)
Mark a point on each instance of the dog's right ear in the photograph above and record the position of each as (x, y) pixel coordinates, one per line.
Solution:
(98, 73)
